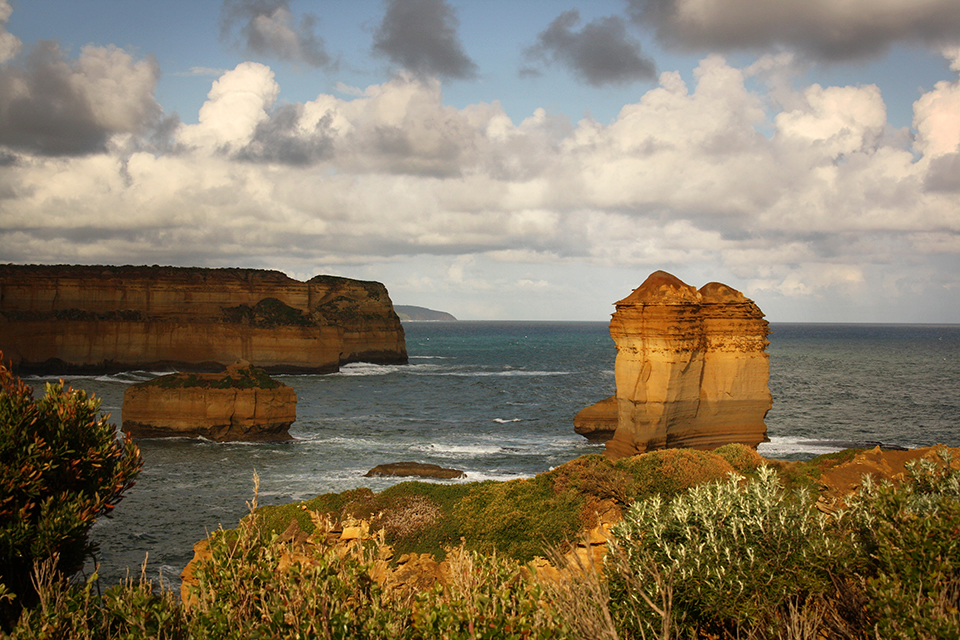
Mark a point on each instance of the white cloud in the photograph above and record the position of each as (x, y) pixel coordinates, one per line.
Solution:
(9, 43)
(55, 105)
(827, 205)
(936, 115)
(236, 104)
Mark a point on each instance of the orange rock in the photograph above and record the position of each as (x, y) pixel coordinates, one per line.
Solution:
(598, 422)
(691, 368)
(838, 482)
(105, 319)
(197, 405)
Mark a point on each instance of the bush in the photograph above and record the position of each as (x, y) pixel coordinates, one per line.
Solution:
(719, 558)
(255, 588)
(519, 518)
(61, 467)
(910, 540)
(488, 597)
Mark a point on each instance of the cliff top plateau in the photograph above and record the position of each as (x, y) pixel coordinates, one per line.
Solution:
(85, 319)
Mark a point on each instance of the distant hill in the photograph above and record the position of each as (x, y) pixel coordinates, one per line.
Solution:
(409, 313)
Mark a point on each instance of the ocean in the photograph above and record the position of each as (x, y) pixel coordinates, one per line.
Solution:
(497, 400)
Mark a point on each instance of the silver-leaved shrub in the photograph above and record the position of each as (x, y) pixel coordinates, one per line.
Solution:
(721, 558)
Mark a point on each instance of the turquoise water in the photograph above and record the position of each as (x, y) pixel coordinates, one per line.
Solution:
(497, 400)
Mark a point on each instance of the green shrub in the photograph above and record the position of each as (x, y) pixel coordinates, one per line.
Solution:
(668, 472)
(128, 611)
(742, 458)
(61, 467)
(520, 518)
(244, 591)
(720, 557)
(910, 538)
(488, 597)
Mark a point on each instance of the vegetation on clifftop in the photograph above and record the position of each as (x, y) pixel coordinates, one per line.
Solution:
(248, 377)
(267, 314)
(710, 545)
(742, 557)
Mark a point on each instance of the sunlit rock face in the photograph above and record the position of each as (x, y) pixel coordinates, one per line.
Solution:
(691, 368)
(242, 404)
(598, 422)
(84, 319)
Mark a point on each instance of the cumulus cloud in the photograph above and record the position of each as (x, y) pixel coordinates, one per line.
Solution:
(236, 105)
(936, 117)
(269, 28)
(600, 53)
(421, 37)
(9, 43)
(825, 203)
(53, 105)
(823, 29)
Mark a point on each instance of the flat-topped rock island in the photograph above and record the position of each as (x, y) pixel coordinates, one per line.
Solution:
(241, 404)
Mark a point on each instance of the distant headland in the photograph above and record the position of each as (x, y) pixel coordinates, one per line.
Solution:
(409, 313)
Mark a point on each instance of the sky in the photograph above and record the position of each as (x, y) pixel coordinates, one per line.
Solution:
(498, 160)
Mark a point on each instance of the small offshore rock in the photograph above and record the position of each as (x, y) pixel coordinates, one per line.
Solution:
(414, 469)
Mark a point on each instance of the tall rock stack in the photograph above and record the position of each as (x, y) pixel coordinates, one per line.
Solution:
(735, 393)
(691, 368)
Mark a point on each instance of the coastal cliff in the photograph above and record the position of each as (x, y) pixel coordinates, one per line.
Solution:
(691, 368)
(84, 319)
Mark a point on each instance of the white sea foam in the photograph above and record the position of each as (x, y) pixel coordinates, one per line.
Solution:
(509, 373)
(367, 369)
(481, 476)
(457, 451)
(787, 446)
(132, 377)
(506, 420)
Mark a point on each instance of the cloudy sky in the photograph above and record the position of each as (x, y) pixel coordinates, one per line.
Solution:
(498, 159)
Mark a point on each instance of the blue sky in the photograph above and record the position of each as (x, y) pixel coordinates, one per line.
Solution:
(498, 160)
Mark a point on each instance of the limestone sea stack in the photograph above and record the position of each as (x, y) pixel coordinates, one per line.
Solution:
(691, 368)
(242, 404)
(95, 319)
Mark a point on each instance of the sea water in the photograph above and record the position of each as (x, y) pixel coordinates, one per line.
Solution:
(497, 400)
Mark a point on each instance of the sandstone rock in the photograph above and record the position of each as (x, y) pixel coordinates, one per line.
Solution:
(242, 404)
(691, 368)
(414, 469)
(598, 422)
(84, 319)
(839, 481)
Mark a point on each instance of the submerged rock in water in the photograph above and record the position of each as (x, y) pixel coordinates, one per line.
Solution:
(691, 369)
(242, 404)
(414, 469)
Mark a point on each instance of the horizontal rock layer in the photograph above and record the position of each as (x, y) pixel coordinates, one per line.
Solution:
(242, 404)
(63, 319)
(598, 422)
(691, 368)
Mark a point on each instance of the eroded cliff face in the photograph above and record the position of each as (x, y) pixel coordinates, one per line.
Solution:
(241, 404)
(691, 368)
(61, 319)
